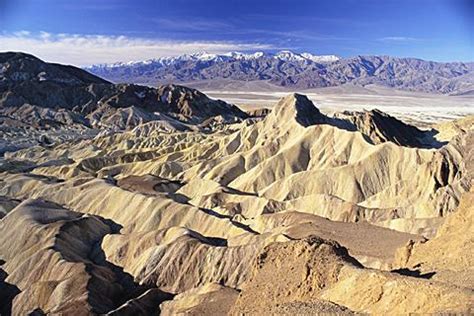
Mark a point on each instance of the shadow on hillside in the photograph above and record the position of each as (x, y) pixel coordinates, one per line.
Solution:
(396, 133)
(7, 293)
(137, 297)
(414, 273)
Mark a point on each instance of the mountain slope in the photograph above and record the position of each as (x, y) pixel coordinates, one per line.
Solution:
(301, 71)
(18, 68)
(28, 80)
(70, 103)
(291, 212)
(249, 207)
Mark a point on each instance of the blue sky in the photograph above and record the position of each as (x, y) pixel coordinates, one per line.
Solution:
(93, 31)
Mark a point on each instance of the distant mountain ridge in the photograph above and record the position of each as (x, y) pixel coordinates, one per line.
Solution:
(284, 55)
(295, 71)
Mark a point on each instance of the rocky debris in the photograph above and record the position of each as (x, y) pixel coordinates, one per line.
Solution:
(314, 264)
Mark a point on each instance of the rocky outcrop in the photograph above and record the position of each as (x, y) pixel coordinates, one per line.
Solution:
(316, 276)
(210, 299)
(380, 127)
(46, 104)
(449, 256)
(194, 105)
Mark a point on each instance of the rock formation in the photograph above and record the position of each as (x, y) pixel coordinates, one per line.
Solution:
(70, 103)
(294, 212)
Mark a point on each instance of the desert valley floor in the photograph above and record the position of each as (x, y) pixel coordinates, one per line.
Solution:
(107, 208)
(418, 108)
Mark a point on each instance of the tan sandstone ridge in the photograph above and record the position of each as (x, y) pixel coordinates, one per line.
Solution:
(450, 254)
(315, 271)
(293, 212)
(50, 254)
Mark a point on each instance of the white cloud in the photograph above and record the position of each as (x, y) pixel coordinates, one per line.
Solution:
(398, 39)
(83, 50)
(22, 33)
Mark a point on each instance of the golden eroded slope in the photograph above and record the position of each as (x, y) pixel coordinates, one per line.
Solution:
(304, 211)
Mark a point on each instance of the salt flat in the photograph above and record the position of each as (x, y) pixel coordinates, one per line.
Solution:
(410, 106)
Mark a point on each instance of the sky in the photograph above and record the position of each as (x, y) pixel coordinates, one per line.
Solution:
(85, 32)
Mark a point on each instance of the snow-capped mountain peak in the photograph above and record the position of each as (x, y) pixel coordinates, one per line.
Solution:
(257, 54)
(204, 56)
(287, 55)
(320, 58)
(243, 56)
(284, 55)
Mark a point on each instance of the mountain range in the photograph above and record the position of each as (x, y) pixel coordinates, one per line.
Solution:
(289, 70)
(140, 200)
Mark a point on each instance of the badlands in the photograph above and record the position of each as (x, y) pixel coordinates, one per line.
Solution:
(166, 201)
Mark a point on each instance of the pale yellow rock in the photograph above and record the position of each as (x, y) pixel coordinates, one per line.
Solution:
(313, 269)
(239, 219)
(210, 299)
(450, 254)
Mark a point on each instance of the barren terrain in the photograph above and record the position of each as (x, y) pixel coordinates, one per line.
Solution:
(172, 202)
(419, 108)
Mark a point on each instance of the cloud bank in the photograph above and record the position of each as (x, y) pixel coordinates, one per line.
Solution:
(84, 50)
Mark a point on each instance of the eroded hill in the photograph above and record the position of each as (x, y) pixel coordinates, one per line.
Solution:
(353, 213)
